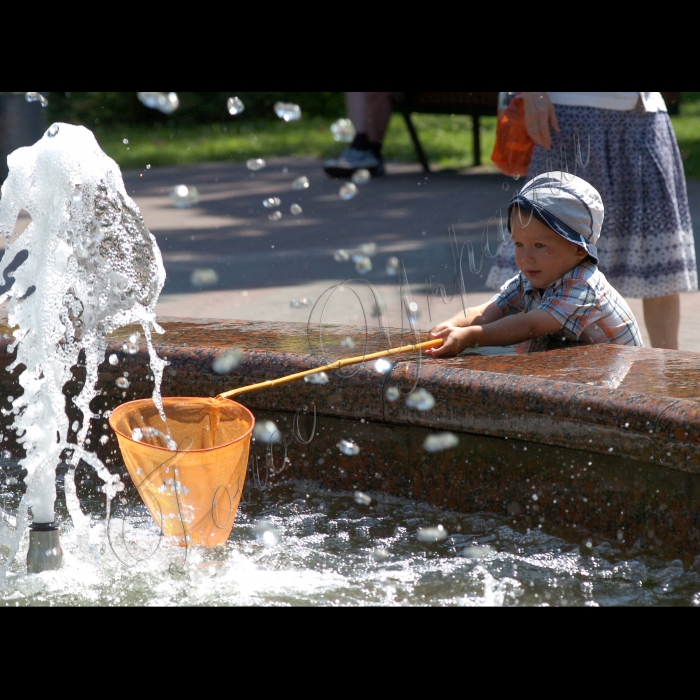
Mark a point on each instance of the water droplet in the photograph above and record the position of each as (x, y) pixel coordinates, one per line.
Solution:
(420, 399)
(130, 348)
(534, 497)
(10, 399)
(348, 191)
(172, 445)
(203, 277)
(392, 393)
(228, 361)
(104, 439)
(75, 426)
(255, 164)
(505, 185)
(362, 498)
(440, 441)
(317, 378)
(295, 209)
(148, 167)
(392, 266)
(431, 534)
(348, 447)
(361, 176)
(267, 432)
(234, 105)
(341, 255)
(32, 96)
(134, 337)
(266, 533)
(271, 202)
(363, 264)
(287, 111)
(516, 176)
(298, 303)
(77, 196)
(165, 102)
(343, 130)
(137, 434)
(348, 343)
(183, 196)
(53, 130)
(301, 183)
(476, 552)
(122, 382)
(380, 554)
(382, 366)
(369, 249)
(275, 215)
(6, 454)
(125, 142)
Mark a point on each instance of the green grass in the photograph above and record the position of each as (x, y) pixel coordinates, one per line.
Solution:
(447, 140)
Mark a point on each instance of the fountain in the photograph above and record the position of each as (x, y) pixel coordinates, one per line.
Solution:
(85, 266)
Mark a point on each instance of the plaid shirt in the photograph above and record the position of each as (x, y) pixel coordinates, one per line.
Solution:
(589, 308)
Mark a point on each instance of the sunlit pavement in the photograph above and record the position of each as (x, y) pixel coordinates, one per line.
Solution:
(266, 268)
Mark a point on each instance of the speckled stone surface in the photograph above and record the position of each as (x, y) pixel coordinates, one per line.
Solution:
(606, 437)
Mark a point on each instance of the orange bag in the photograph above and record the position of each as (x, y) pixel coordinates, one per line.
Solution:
(513, 148)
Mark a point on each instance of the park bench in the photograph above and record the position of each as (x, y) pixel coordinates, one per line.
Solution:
(474, 104)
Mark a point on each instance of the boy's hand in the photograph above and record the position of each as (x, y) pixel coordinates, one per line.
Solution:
(455, 339)
(439, 327)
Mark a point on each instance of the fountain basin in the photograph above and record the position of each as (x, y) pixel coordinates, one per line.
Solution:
(599, 443)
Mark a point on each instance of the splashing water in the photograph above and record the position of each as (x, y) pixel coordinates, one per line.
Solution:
(287, 111)
(36, 97)
(165, 102)
(94, 267)
(255, 164)
(235, 106)
(343, 130)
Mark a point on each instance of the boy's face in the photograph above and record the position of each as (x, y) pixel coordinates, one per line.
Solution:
(542, 255)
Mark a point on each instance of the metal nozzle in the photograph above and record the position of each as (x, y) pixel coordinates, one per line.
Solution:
(45, 553)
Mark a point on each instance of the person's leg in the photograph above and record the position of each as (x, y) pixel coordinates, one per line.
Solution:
(378, 116)
(356, 109)
(662, 316)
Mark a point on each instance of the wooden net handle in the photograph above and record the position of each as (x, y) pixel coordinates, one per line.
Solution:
(333, 365)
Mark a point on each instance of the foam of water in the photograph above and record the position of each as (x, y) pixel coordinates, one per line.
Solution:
(92, 266)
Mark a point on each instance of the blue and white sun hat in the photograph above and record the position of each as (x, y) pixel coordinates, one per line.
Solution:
(565, 203)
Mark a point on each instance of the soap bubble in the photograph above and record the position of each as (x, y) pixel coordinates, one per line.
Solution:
(343, 130)
(234, 106)
(301, 183)
(392, 265)
(36, 97)
(347, 343)
(52, 130)
(137, 434)
(287, 111)
(440, 441)
(266, 431)
(363, 264)
(348, 447)
(392, 393)
(348, 191)
(505, 185)
(361, 176)
(295, 209)
(113, 359)
(362, 498)
(420, 399)
(203, 277)
(383, 366)
(341, 255)
(130, 348)
(271, 202)
(298, 303)
(266, 533)
(255, 164)
(317, 378)
(275, 215)
(369, 249)
(183, 196)
(431, 534)
(228, 361)
(122, 382)
(165, 102)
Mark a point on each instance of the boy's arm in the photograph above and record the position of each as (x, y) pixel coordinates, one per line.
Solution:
(505, 331)
(488, 312)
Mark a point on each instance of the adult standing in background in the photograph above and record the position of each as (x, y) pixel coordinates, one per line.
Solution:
(623, 143)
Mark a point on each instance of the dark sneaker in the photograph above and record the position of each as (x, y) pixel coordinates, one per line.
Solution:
(352, 159)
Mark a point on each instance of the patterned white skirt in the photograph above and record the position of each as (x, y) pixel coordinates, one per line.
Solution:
(646, 246)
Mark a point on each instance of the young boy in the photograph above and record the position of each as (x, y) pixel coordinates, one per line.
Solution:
(559, 294)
